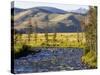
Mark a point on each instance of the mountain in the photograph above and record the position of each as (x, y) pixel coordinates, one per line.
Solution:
(39, 9)
(51, 10)
(16, 10)
(80, 11)
(63, 21)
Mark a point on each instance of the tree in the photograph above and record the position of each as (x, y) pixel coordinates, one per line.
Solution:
(78, 38)
(90, 56)
(20, 37)
(55, 34)
(82, 24)
(35, 31)
(46, 29)
(91, 29)
(15, 36)
(30, 31)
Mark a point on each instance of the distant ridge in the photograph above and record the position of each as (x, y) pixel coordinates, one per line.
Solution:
(65, 21)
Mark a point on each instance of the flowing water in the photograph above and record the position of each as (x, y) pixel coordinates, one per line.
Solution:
(50, 59)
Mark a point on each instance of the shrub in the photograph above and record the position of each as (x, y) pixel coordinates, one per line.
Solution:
(24, 51)
(90, 59)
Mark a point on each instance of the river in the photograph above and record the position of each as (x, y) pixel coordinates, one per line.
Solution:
(50, 59)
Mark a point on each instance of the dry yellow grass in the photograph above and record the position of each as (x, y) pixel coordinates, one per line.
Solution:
(62, 40)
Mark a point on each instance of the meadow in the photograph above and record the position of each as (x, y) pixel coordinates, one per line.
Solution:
(76, 40)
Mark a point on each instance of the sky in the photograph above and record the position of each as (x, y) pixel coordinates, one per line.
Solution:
(30, 4)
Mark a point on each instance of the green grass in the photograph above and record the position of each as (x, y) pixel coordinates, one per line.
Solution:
(90, 59)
